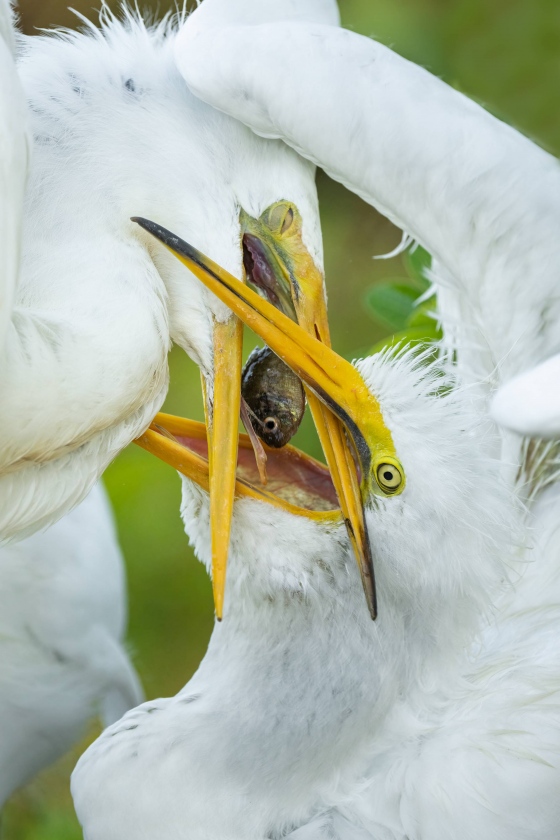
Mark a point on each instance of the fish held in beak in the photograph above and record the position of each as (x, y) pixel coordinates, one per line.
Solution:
(335, 385)
(274, 396)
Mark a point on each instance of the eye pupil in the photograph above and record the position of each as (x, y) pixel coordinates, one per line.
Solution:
(271, 423)
(387, 475)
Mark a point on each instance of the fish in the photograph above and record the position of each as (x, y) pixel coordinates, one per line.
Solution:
(274, 397)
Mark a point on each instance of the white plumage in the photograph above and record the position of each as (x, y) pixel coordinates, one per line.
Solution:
(97, 127)
(62, 621)
(441, 720)
(115, 134)
(480, 197)
(303, 709)
(62, 592)
(13, 166)
(530, 403)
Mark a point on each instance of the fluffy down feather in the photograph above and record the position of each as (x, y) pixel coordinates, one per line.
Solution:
(277, 726)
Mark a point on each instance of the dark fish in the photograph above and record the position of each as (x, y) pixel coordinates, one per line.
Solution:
(274, 395)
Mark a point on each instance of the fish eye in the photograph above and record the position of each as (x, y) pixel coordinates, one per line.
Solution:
(281, 217)
(270, 424)
(389, 477)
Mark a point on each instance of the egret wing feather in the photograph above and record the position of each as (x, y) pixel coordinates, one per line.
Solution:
(7, 28)
(483, 199)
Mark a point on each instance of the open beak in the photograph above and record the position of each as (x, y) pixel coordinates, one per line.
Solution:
(335, 384)
(280, 266)
(185, 445)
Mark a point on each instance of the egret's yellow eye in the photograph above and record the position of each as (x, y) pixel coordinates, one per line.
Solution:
(388, 477)
(288, 219)
(280, 217)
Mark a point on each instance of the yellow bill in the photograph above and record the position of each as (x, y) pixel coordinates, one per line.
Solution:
(222, 418)
(335, 383)
(281, 267)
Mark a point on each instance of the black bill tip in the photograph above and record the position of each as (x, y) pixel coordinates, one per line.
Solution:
(170, 239)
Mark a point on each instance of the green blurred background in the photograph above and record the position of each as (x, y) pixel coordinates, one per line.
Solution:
(503, 53)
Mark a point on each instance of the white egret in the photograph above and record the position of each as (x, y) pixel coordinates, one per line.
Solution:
(62, 592)
(439, 721)
(96, 305)
(442, 719)
(298, 685)
(62, 620)
(471, 749)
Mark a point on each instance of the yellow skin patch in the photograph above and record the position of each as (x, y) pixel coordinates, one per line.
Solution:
(279, 228)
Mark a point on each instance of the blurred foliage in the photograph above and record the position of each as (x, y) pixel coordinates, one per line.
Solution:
(505, 54)
(404, 304)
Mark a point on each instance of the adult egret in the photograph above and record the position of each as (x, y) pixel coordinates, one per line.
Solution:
(96, 304)
(480, 197)
(62, 619)
(62, 594)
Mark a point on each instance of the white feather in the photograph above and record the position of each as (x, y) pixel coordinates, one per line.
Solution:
(440, 720)
(530, 403)
(298, 686)
(116, 134)
(62, 621)
(480, 197)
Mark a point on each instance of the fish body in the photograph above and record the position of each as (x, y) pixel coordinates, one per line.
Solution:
(274, 395)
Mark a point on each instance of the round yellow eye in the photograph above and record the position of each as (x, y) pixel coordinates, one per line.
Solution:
(388, 477)
(280, 217)
(288, 219)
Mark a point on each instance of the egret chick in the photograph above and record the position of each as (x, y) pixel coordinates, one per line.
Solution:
(278, 722)
(467, 629)
(472, 750)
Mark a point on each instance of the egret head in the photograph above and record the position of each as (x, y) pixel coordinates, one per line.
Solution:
(437, 511)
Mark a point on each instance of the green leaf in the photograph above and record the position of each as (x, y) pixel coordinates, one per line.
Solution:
(416, 262)
(423, 314)
(392, 302)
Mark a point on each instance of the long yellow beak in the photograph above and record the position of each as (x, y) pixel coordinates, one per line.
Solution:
(222, 397)
(222, 418)
(311, 311)
(334, 383)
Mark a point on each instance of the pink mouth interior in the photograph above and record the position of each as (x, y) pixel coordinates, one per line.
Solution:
(291, 476)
